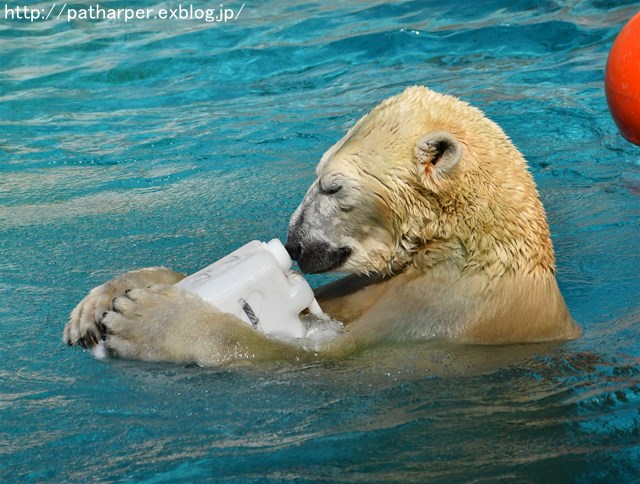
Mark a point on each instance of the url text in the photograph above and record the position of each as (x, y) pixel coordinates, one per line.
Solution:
(57, 11)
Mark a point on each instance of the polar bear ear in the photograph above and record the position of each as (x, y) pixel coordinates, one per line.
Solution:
(437, 153)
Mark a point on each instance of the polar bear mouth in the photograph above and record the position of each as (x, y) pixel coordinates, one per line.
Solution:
(319, 257)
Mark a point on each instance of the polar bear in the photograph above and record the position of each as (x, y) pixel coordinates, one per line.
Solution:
(429, 207)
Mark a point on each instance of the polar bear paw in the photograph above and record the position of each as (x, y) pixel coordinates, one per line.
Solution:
(140, 321)
(86, 327)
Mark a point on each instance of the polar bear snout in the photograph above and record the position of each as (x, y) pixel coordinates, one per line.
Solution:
(293, 249)
(316, 257)
(315, 238)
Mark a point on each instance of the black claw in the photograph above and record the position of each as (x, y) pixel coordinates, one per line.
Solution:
(103, 331)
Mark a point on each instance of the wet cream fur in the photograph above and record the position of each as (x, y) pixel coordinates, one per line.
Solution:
(456, 248)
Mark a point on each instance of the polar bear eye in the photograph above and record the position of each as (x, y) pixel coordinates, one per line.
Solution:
(329, 188)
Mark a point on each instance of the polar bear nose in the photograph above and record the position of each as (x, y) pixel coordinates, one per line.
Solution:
(317, 257)
(293, 249)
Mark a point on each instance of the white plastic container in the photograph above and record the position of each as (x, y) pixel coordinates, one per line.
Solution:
(256, 284)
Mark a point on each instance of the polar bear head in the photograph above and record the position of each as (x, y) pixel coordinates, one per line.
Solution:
(423, 178)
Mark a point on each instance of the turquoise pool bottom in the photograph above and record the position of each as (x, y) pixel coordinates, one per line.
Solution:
(415, 413)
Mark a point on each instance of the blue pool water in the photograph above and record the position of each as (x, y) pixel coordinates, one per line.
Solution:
(171, 142)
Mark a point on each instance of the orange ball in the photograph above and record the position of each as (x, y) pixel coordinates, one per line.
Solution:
(622, 80)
